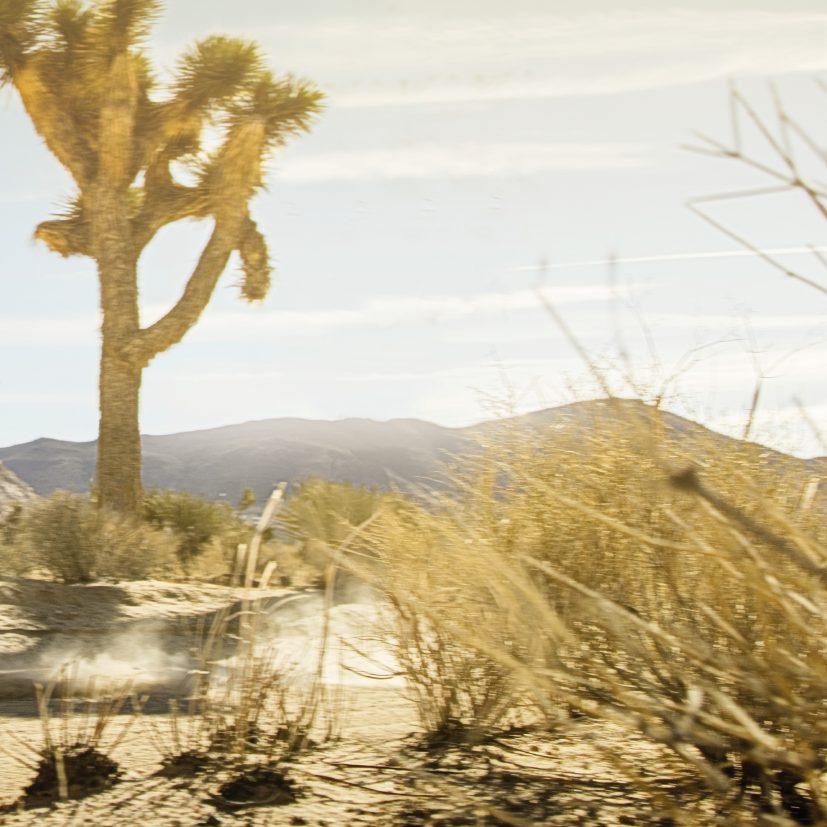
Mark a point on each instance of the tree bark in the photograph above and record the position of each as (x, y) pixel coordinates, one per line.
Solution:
(119, 440)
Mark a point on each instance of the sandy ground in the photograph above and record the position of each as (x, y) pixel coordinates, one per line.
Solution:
(30, 607)
(374, 773)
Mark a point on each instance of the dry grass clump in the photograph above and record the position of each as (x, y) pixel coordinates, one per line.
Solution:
(594, 576)
(320, 516)
(195, 524)
(239, 712)
(78, 542)
(595, 498)
(460, 696)
(75, 758)
(430, 568)
(326, 511)
(10, 528)
(68, 536)
(259, 707)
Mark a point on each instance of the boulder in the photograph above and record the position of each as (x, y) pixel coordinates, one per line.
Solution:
(12, 490)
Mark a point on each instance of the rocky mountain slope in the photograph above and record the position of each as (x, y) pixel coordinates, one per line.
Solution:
(12, 490)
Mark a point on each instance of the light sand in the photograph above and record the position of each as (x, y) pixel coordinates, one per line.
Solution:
(373, 774)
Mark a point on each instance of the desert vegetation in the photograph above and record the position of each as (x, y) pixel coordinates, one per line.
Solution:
(650, 597)
(70, 537)
(620, 576)
(615, 575)
(608, 577)
(182, 536)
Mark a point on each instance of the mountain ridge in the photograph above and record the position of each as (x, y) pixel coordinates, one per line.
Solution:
(221, 461)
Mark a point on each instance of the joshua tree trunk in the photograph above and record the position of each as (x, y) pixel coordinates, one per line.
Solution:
(119, 441)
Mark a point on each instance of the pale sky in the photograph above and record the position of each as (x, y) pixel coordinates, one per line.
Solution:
(462, 144)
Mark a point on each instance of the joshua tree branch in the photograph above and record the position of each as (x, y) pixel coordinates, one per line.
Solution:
(117, 124)
(166, 205)
(229, 184)
(174, 325)
(255, 262)
(165, 124)
(162, 204)
(55, 125)
(66, 236)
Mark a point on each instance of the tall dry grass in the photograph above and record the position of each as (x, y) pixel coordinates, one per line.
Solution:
(246, 701)
(621, 569)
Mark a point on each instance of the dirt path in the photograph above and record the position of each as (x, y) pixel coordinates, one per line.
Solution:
(140, 631)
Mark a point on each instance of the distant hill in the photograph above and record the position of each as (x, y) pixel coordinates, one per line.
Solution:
(223, 461)
(403, 453)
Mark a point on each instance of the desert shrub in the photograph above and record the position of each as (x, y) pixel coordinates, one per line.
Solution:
(293, 565)
(320, 516)
(460, 696)
(246, 501)
(595, 498)
(329, 511)
(11, 524)
(195, 523)
(78, 542)
(431, 572)
(75, 758)
(688, 603)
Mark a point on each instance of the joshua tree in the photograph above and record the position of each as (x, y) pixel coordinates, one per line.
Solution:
(88, 89)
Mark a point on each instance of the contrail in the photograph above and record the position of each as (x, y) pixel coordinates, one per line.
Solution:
(594, 262)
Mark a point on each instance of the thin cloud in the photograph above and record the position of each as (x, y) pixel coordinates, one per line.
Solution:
(464, 160)
(386, 311)
(44, 398)
(47, 332)
(571, 53)
(661, 257)
(383, 312)
(780, 321)
(391, 311)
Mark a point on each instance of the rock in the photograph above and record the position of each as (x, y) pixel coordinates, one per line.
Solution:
(12, 490)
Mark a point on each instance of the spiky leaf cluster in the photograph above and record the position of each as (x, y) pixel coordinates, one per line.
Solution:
(18, 32)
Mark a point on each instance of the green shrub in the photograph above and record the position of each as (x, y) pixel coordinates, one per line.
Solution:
(195, 524)
(76, 541)
(329, 511)
(322, 515)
